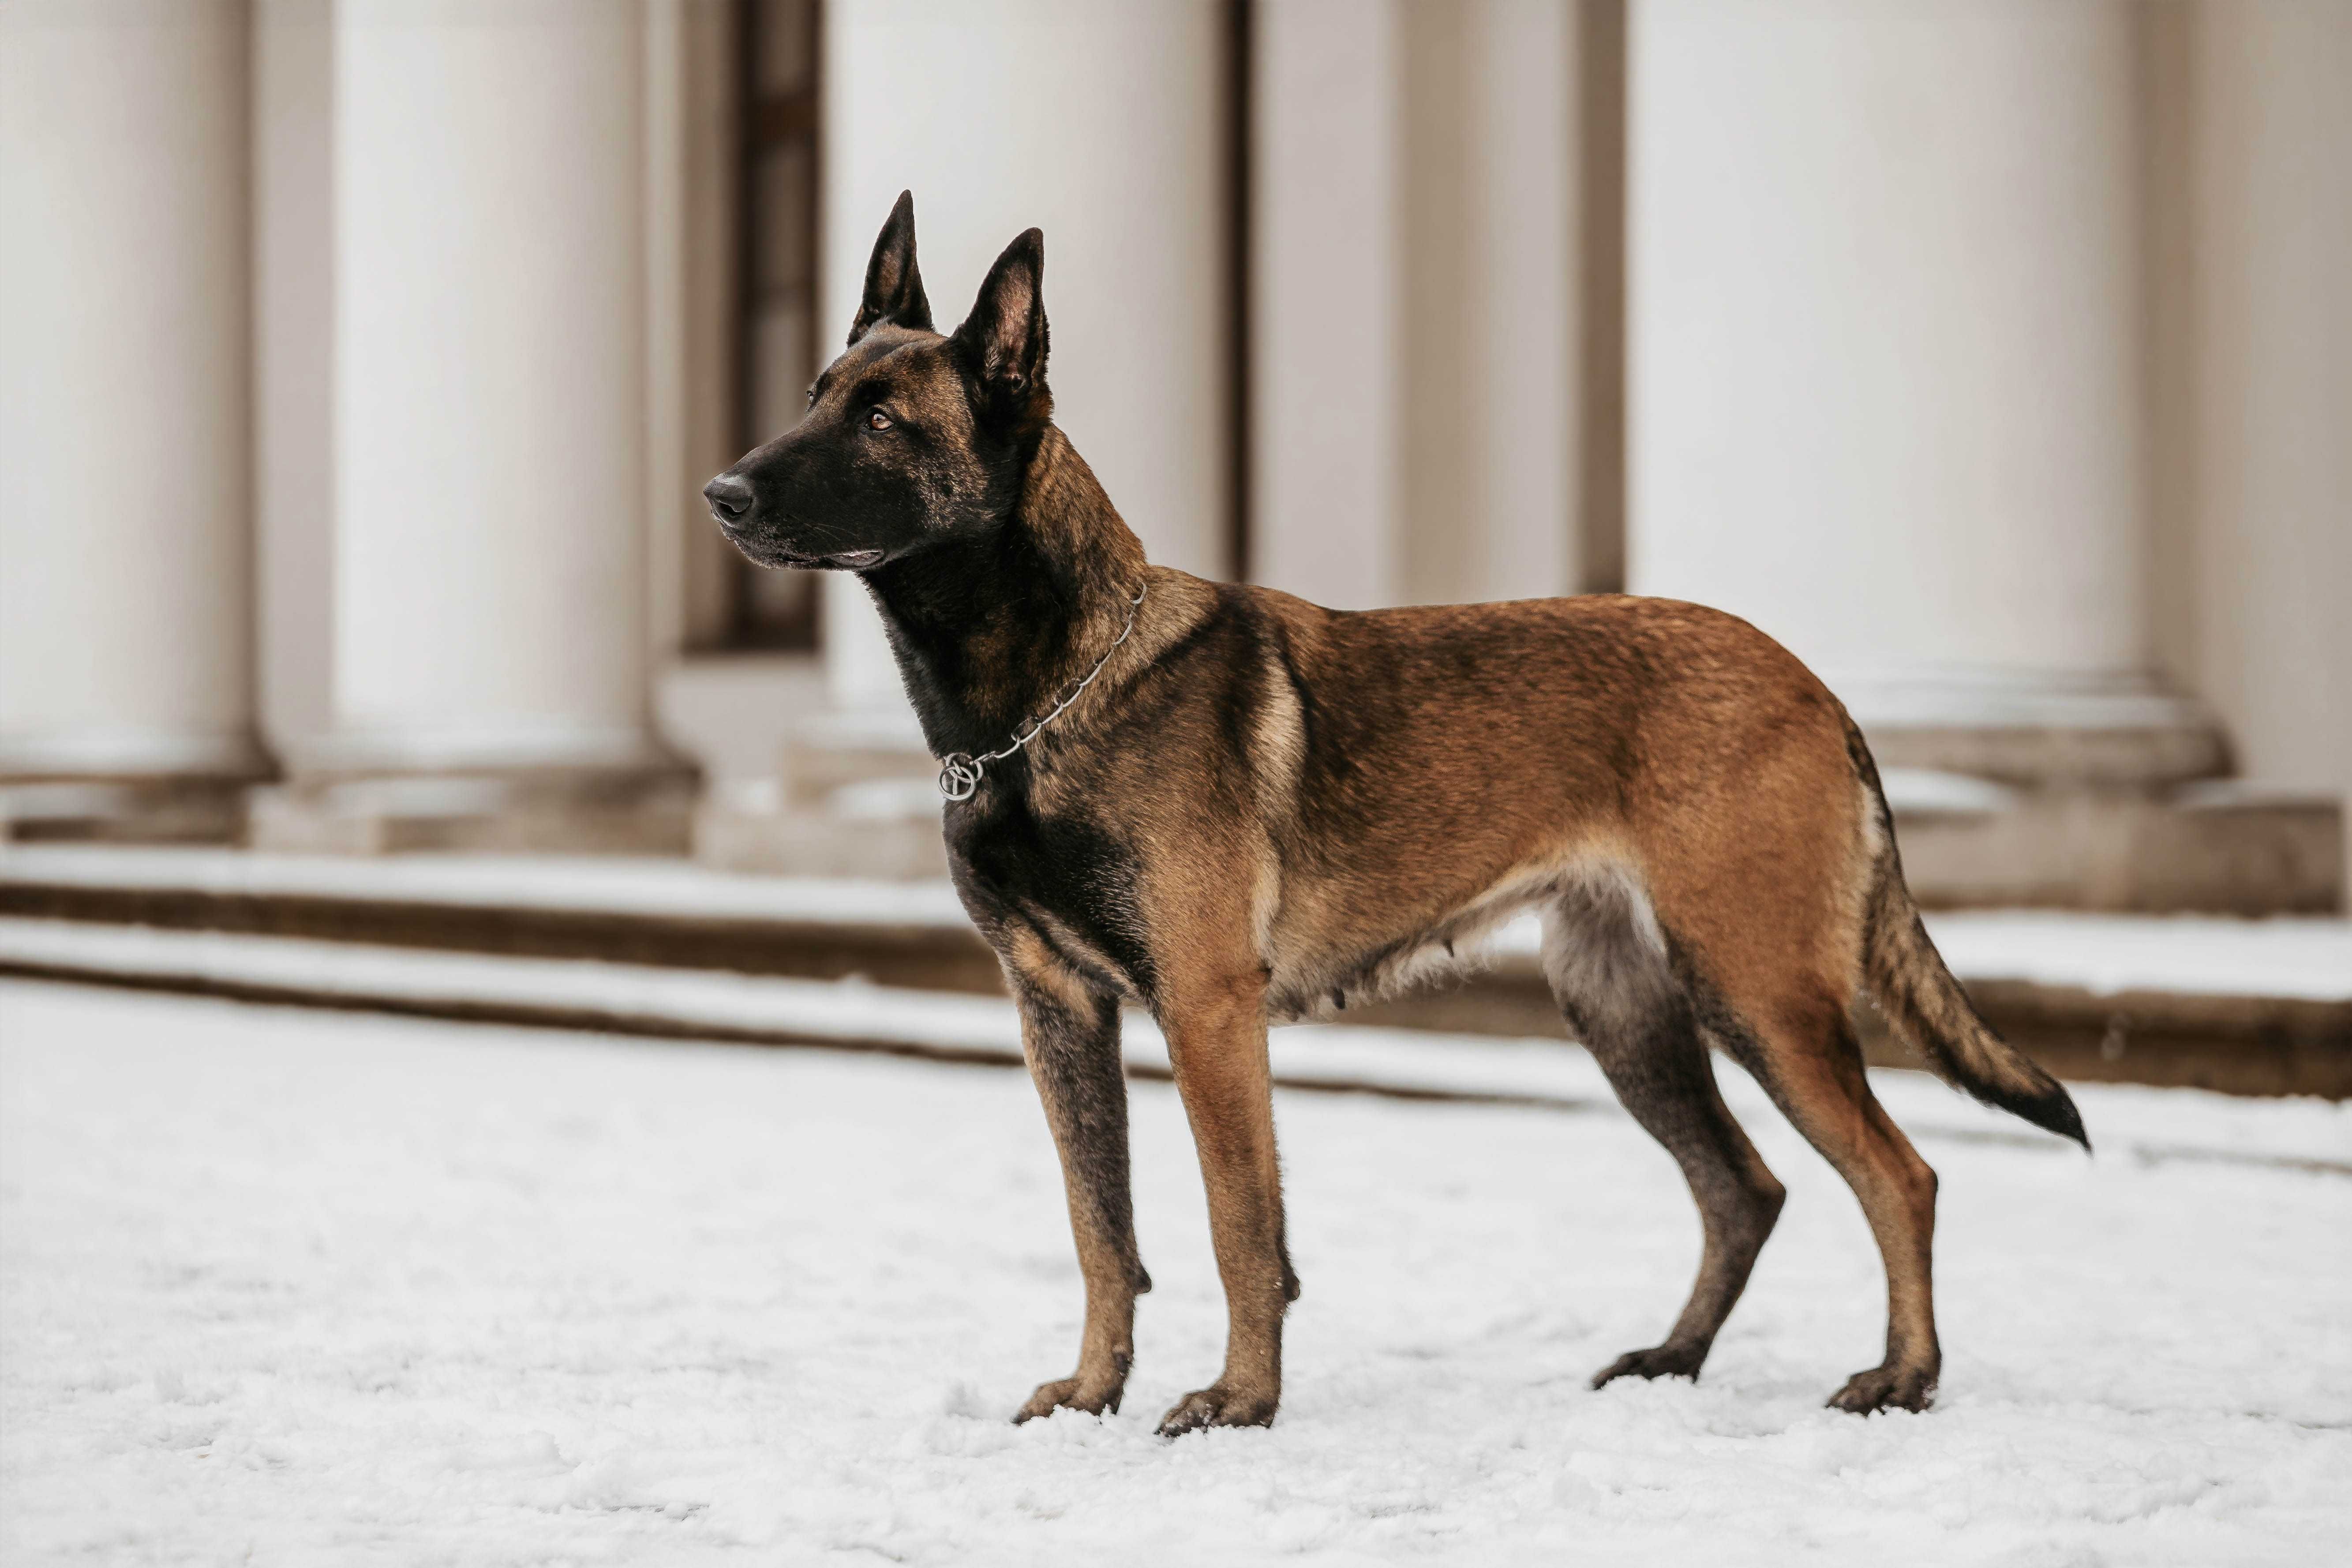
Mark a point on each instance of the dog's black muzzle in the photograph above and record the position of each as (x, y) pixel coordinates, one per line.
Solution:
(735, 509)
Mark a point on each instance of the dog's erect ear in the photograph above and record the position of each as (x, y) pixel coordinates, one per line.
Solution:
(1004, 339)
(894, 288)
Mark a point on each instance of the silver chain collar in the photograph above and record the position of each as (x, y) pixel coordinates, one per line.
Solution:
(959, 770)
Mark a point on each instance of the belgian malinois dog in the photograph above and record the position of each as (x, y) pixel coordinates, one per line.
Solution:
(1233, 807)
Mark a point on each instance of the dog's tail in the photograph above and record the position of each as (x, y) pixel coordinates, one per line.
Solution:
(1925, 1005)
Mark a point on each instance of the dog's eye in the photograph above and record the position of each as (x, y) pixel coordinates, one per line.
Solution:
(877, 420)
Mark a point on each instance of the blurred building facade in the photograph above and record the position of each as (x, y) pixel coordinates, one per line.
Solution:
(364, 360)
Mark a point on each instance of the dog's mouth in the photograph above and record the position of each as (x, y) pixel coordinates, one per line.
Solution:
(839, 561)
(769, 553)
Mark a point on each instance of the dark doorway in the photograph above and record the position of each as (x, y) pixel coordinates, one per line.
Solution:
(779, 55)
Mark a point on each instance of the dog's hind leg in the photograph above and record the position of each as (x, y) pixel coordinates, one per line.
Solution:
(1609, 970)
(1070, 1034)
(1806, 1057)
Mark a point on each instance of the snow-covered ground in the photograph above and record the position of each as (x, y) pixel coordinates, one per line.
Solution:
(289, 1287)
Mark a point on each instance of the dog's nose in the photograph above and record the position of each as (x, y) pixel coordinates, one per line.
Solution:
(730, 498)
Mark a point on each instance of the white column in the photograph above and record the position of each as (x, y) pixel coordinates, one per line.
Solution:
(125, 545)
(1883, 350)
(2270, 570)
(1326, 304)
(293, 369)
(1492, 262)
(1415, 270)
(1103, 126)
(490, 387)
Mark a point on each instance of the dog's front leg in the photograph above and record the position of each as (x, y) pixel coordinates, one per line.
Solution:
(1070, 1035)
(1216, 1042)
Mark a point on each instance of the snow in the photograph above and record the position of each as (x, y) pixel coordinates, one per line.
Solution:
(2200, 954)
(605, 883)
(291, 1287)
(2285, 956)
(1929, 790)
(842, 1010)
(2300, 956)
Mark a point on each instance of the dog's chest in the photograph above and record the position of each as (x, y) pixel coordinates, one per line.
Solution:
(1066, 878)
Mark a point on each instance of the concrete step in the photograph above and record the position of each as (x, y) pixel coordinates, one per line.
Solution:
(638, 811)
(658, 914)
(2172, 1009)
(2234, 1044)
(754, 833)
(849, 797)
(2213, 847)
(164, 811)
(707, 1007)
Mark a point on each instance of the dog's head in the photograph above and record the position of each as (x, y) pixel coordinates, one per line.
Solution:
(910, 438)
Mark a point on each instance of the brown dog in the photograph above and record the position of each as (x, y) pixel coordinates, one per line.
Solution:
(1259, 810)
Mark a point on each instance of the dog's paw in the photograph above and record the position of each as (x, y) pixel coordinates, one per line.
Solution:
(1217, 1406)
(1886, 1388)
(1070, 1394)
(1658, 1360)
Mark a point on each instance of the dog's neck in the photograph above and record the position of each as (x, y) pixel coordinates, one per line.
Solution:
(987, 631)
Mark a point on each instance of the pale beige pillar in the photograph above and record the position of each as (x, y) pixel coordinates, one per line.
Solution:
(2269, 639)
(1415, 270)
(125, 546)
(1493, 255)
(1327, 277)
(489, 388)
(1884, 351)
(293, 213)
(1103, 126)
